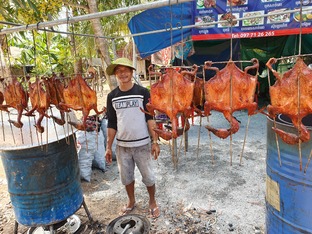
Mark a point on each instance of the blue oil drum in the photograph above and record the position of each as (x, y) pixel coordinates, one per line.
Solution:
(288, 189)
(43, 182)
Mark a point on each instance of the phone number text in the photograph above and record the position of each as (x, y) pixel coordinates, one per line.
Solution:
(254, 34)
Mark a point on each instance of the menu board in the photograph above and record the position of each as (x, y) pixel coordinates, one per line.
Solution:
(267, 24)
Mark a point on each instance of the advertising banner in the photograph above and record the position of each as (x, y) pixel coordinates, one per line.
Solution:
(276, 18)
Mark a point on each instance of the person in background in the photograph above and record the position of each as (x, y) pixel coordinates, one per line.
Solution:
(133, 130)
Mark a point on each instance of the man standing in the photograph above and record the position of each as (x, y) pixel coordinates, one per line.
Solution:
(133, 130)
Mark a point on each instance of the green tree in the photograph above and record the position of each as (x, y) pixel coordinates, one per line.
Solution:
(47, 52)
(104, 29)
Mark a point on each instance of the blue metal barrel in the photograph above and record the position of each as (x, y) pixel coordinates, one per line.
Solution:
(288, 189)
(43, 182)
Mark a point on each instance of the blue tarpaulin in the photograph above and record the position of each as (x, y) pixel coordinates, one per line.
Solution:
(157, 19)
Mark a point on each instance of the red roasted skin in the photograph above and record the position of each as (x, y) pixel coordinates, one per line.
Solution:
(284, 99)
(56, 90)
(230, 90)
(40, 101)
(79, 96)
(15, 97)
(171, 95)
(198, 94)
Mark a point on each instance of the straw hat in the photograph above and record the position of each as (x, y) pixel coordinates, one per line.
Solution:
(121, 61)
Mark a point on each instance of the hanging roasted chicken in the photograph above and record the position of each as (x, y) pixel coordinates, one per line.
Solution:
(2, 107)
(172, 95)
(80, 97)
(230, 90)
(291, 95)
(15, 97)
(56, 89)
(198, 95)
(40, 101)
(1, 98)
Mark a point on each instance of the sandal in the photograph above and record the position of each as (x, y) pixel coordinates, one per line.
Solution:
(155, 212)
(126, 210)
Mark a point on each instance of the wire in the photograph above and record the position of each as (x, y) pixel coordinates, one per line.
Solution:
(231, 30)
(8, 54)
(35, 52)
(47, 45)
(74, 42)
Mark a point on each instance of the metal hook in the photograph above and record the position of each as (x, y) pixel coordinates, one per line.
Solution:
(38, 25)
(179, 25)
(168, 26)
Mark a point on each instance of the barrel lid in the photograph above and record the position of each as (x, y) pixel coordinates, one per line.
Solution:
(13, 138)
(306, 121)
(130, 223)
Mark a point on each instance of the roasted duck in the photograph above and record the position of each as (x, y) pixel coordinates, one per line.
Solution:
(198, 95)
(15, 97)
(172, 95)
(1, 98)
(80, 97)
(230, 90)
(40, 101)
(3, 107)
(285, 100)
(56, 90)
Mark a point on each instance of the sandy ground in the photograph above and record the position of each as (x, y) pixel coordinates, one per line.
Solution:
(201, 193)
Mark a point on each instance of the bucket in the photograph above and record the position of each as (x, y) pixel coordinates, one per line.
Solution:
(43, 183)
(288, 189)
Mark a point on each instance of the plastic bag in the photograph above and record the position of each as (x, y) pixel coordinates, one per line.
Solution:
(91, 153)
(99, 161)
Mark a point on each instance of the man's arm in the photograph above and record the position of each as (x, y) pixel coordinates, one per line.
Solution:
(155, 147)
(111, 133)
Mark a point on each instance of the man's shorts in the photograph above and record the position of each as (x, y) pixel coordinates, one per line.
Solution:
(128, 157)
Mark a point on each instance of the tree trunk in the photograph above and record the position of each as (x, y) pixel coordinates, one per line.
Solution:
(102, 44)
(5, 69)
(78, 66)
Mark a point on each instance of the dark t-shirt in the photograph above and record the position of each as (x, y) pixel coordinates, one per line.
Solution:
(125, 116)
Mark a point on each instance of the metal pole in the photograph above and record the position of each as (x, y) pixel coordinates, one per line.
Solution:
(96, 15)
(135, 63)
(57, 31)
(114, 49)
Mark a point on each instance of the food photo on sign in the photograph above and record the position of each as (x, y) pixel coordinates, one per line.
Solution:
(282, 18)
(199, 21)
(230, 20)
(306, 14)
(206, 4)
(237, 2)
(259, 18)
(253, 21)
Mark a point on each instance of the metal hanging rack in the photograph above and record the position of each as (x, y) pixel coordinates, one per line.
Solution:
(91, 16)
(43, 25)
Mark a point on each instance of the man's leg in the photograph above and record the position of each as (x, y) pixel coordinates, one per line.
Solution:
(130, 193)
(154, 209)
